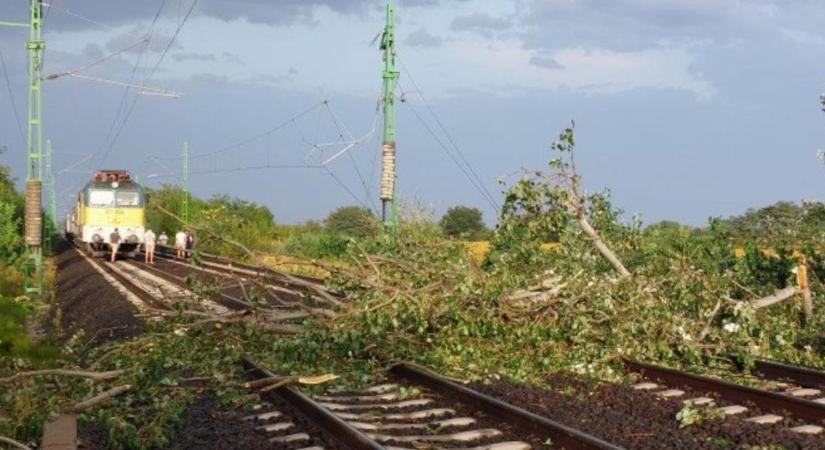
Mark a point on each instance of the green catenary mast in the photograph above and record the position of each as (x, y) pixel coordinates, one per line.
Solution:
(184, 183)
(33, 280)
(390, 76)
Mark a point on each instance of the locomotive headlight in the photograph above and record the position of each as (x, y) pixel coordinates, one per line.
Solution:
(97, 239)
(115, 184)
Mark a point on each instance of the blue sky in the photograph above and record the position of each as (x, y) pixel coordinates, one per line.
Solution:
(685, 109)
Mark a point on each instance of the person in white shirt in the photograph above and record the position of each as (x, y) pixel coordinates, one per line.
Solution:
(149, 247)
(180, 244)
(163, 239)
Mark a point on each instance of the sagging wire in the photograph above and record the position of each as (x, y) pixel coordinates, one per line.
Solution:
(472, 175)
(12, 101)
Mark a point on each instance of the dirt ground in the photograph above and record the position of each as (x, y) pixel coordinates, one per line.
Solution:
(638, 420)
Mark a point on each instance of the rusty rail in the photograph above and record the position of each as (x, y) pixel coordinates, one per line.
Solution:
(797, 407)
(561, 435)
(339, 430)
(804, 376)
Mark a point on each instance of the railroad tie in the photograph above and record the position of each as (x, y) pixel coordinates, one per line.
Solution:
(297, 437)
(670, 393)
(464, 436)
(382, 406)
(767, 419)
(415, 415)
(357, 398)
(280, 426)
(808, 429)
(264, 416)
(439, 424)
(732, 410)
(698, 401)
(804, 392)
(510, 445)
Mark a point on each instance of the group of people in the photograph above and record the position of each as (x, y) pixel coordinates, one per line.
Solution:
(184, 241)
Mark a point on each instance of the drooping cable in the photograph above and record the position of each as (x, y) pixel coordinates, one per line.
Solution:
(449, 137)
(13, 103)
(452, 157)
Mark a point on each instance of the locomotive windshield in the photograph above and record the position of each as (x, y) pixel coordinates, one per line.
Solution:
(128, 198)
(99, 197)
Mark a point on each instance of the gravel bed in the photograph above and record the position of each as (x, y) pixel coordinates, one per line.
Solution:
(85, 301)
(638, 420)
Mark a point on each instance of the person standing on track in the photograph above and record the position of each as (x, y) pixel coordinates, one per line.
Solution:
(149, 247)
(190, 240)
(163, 239)
(180, 244)
(114, 242)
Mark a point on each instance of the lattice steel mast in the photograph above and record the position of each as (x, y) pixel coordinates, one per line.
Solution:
(389, 212)
(33, 279)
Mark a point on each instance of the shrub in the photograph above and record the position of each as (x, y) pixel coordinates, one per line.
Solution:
(353, 221)
(463, 221)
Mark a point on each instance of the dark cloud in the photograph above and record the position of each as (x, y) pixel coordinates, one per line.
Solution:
(205, 57)
(423, 38)
(482, 23)
(118, 12)
(545, 62)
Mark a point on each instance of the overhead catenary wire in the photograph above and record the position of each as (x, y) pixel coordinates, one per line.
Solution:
(151, 73)
(12, 102)
(452, 157)
(480, 184)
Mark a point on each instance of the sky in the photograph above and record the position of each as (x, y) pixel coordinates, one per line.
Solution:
(684, 109)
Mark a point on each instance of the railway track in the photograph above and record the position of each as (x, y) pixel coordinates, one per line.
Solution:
(416, 408)
(798, 407)
(411, 408)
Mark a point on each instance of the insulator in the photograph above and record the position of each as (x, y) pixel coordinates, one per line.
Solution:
(34, 213)
(387, 171)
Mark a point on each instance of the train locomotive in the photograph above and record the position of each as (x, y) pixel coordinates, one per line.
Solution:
(110, 200)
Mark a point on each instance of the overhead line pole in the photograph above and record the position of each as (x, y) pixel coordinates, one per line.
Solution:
(33, 265)
(389, 211)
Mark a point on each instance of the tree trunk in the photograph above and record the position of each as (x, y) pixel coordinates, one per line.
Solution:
(600, 245)
(776, 297)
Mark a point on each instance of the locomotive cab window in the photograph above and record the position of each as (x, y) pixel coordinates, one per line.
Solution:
(99, 197)
(128, 198)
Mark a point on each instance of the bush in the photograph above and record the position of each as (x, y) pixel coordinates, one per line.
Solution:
(353, 221)
(463, 221)
(320, 245)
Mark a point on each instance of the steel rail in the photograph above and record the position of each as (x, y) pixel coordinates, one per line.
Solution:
(338, 429)
(126, 282)
(804, 376)
(228, 300)
(797, 407)
(168, 251)
(561, 435)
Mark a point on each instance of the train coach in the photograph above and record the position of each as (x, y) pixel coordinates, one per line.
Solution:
(110, 200)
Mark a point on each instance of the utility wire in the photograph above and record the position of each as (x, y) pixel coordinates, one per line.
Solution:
(440, 124)
(447, 151)
(152, 73)
(11, 98)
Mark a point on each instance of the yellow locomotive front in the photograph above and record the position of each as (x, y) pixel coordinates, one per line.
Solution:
(111, 200)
